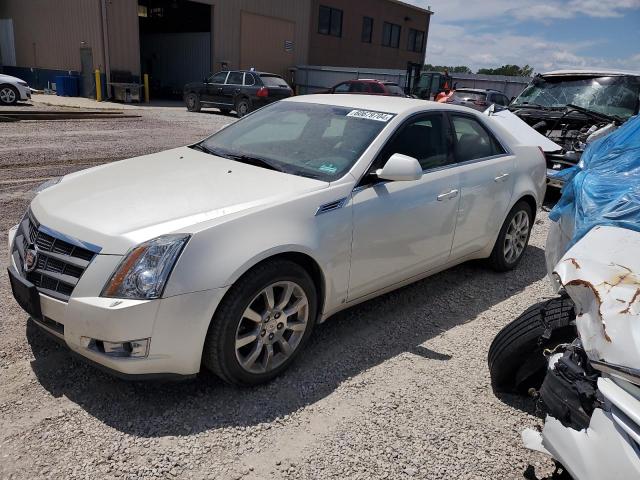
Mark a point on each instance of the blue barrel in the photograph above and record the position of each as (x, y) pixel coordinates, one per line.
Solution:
(67, 86)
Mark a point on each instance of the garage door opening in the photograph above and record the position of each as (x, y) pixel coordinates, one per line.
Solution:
(175, 44)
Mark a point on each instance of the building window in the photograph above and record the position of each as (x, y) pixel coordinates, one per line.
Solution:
(330, 21)
(391, 35)
(367, 29)
(416, 40)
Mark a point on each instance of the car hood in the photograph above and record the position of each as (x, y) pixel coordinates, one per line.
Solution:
(9, 78)
(121, 204)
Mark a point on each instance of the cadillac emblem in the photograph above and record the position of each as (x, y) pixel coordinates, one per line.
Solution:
(30, 258)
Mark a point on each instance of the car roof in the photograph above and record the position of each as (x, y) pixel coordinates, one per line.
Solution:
(602, 72)
(252, 71)
(378, 103)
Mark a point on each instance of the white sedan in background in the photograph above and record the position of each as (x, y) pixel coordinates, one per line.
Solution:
(227, 252)
(13, 89)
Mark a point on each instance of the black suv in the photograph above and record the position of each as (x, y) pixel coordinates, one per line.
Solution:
(239, 90)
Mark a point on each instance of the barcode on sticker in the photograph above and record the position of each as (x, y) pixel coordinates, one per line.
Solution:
(377, 116)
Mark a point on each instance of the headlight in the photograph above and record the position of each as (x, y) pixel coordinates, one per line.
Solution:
(47, 184)
(144, 271)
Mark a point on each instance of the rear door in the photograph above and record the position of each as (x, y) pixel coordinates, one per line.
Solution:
(231, 88)
(486, 183)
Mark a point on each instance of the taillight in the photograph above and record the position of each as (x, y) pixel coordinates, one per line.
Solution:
(263, 92)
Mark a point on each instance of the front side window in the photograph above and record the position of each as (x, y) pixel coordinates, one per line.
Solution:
(330, 21)
(423, 138)
(235, 78)
(342, 88)
(416, 40)
(391, 35)
(299, 138)
(367, 29)
(219, 77)
(358, 87)
(472, 140)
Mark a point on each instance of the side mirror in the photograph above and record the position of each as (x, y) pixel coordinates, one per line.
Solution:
(400, 168)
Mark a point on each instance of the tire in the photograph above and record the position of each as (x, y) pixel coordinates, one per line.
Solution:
(231, 325)
(243, 106)
(500, 259)
(225, 111)
(516, 360)
(9, 95)
(192, 101)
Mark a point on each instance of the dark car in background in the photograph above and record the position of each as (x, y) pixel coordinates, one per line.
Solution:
(478, 99)
(368, 87)
(236, 90)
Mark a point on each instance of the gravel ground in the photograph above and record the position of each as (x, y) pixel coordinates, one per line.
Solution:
(395, 388)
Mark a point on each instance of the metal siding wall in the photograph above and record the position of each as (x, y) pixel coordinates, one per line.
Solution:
(49, 34)
(124, 39)
(226, 28)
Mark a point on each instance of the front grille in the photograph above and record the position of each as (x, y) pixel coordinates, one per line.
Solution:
(60, 262)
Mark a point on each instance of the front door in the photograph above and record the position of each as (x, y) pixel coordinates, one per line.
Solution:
(403, 229)
(486, 184)
(232, 88)
(212, 92)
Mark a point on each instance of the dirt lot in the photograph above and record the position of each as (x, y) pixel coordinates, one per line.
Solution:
(394, 388)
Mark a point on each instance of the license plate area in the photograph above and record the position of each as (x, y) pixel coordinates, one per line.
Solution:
(25, 293)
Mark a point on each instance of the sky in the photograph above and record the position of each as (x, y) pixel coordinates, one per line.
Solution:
(546, 34)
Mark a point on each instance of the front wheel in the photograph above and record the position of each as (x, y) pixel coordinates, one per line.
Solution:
(193, 102)
(261, 324)
(8, 95)
(513, 238)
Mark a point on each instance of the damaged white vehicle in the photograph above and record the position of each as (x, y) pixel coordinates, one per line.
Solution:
(579, 354)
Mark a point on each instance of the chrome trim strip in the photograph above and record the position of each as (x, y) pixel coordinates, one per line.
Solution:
(331, 206)
(73, 241)
(630, 374)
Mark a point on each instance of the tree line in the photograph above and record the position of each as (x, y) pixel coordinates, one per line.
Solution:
(511, 70)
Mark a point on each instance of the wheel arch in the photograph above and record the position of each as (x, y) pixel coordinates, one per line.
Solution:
(530, 200)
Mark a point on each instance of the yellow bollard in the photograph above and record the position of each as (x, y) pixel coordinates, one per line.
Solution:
(146, 88)
(98, 87)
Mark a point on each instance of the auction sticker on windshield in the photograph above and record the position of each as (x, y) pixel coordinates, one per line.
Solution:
(377, 116)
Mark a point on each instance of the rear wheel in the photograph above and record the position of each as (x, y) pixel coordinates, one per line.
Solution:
(193, 102)
(243, 106)
(513, 238)
(261, 324)
(516, 359)
(8, 95)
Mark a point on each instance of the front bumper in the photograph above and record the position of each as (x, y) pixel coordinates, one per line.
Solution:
(176, 326)
(24, 92)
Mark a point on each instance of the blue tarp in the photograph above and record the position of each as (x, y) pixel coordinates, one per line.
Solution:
(604, 188)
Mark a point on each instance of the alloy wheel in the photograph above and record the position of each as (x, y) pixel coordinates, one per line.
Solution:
(272, 327)
(515, 240)
(7, 95)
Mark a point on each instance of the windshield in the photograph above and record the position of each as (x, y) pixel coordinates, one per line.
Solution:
(317, 141)
(616, 96)
(466, 95)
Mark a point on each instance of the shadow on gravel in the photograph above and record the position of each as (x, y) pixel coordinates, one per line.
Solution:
(352, 342)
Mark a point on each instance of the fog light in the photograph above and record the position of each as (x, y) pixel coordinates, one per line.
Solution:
(130, 349)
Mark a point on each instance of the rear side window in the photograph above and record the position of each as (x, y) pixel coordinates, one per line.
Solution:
(358, 87)
(473, 140)
(273, 81)
(377, 88)
(249, 80)
(395, 90)
(235, 78)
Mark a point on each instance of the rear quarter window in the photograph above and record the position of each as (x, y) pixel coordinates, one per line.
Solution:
(273, 81)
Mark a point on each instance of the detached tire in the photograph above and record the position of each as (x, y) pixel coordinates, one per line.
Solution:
(516, 360)
(262, 323)
(193, 102)
(513, 238)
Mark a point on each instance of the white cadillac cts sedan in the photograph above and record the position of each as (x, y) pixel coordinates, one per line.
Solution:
(227, 252)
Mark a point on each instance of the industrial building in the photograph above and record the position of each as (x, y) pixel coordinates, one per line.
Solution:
(177, 41)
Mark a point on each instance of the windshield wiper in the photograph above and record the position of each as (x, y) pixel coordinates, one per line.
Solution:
(248, 159)
(596, 115)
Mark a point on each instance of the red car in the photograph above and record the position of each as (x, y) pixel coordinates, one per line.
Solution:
(368, 87)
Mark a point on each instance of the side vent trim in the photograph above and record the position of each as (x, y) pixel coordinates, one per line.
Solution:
(331, 206)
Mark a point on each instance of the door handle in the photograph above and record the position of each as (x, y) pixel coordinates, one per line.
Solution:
(448, 195)
(219, 90)
(502, 177)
